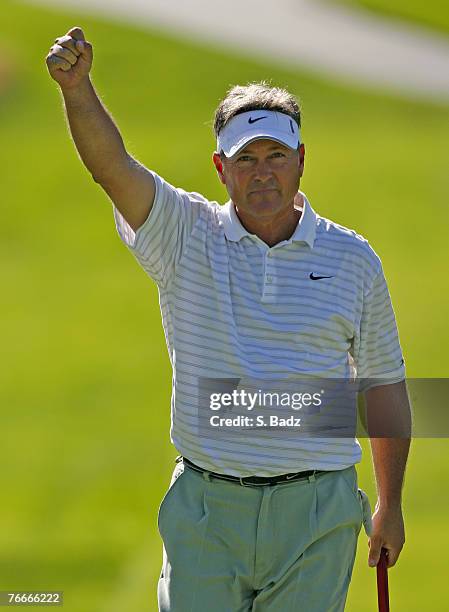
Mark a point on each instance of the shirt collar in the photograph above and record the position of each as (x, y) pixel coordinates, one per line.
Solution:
(305, 230)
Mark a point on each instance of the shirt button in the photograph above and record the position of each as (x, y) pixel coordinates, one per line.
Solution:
(269, 279)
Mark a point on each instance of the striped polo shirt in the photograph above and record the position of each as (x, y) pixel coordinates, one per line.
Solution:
(316, 305)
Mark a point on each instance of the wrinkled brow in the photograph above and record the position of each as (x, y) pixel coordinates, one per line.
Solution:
(275, 146)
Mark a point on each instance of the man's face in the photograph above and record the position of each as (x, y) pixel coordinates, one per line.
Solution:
(262, 179)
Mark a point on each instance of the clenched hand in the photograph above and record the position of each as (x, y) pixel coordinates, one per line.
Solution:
(70, 59)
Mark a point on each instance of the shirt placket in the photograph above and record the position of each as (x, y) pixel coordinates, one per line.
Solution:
(269, 287)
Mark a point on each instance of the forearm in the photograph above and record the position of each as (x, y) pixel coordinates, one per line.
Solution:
(389, 460)
(95, 134)
(389, 427)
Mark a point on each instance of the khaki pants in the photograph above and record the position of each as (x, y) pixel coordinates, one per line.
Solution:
(283, 548)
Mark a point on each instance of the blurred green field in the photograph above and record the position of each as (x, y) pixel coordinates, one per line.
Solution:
(432, 13)
(85, 382)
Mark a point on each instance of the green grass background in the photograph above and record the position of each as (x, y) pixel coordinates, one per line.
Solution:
(85, 380)
(432, 13)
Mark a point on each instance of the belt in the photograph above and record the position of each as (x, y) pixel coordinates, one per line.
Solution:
(251, 480)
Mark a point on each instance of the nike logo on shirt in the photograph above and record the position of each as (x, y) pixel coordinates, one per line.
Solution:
(313, 277)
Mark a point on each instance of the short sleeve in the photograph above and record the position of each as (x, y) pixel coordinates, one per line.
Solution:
(159, 243)
(377, 352)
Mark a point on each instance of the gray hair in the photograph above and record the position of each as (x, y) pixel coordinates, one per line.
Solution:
(255, 96)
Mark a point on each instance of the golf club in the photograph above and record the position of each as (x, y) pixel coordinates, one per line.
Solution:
(382, 583)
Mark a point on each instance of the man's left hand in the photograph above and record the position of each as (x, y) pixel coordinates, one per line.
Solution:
(388, 532)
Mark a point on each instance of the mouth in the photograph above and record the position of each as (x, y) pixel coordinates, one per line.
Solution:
(262, 191)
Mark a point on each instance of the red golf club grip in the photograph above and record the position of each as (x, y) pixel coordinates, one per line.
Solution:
(382, 583)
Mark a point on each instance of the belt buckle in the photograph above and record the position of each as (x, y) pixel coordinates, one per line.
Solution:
(244, 483)
(254, 484)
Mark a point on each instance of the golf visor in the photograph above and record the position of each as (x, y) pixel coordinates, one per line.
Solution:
(256, 125)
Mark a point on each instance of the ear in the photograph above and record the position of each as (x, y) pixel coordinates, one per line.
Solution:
(219, 167)
(302, 154)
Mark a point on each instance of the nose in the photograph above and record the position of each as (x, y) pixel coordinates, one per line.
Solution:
(262, 171)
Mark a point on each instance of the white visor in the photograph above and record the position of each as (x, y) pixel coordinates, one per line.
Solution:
(256, 125)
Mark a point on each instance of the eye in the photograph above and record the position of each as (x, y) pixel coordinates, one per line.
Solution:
(278, 154)
(244, 158)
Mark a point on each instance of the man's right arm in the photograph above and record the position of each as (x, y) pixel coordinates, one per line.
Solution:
(129, 184)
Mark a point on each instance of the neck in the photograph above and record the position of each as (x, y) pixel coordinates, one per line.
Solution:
(274, 229)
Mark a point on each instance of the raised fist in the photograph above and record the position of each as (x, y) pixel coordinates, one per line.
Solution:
(70, 59)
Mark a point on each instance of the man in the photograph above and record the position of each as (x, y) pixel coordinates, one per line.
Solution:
(266, 291)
